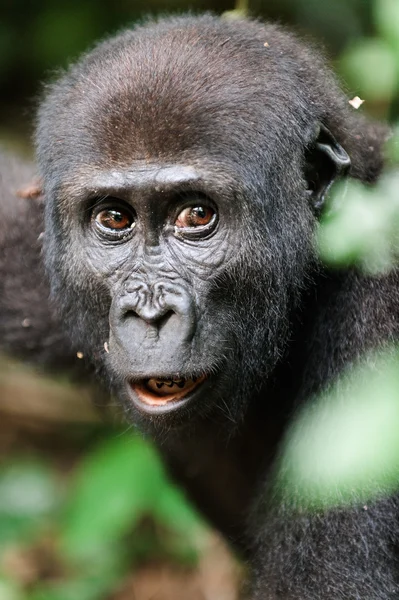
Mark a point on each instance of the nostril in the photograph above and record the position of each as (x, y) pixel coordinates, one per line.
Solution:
(162, 321)
(129, 314)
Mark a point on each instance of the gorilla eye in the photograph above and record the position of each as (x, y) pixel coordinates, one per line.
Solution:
(195, 216)
(114, 220)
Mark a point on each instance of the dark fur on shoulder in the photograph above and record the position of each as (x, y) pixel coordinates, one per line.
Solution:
(29, 328)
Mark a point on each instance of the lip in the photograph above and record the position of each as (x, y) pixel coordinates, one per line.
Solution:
(151, 404)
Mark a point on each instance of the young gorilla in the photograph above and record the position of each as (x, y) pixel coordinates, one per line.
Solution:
(184, 166)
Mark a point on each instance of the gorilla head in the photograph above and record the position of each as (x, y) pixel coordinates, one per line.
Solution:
(184, 165)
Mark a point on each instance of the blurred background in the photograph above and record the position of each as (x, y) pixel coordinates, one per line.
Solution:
(86, 510)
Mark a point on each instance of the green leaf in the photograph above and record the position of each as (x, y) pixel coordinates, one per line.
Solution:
(345, 446)
(9, 590)
(28, 494)
(362, 226)
(174, 509)
(386, 18)
(95, 588)
(392, 145)
(370, 67)
(114, 486)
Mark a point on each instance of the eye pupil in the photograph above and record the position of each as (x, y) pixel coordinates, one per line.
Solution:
(200, 212)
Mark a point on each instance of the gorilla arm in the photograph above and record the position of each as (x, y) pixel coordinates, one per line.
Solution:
(29, 328)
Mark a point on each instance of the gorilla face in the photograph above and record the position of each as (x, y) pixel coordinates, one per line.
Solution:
(180, 183)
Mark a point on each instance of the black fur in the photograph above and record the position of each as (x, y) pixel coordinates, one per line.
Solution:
(29, 327)
(249, 108)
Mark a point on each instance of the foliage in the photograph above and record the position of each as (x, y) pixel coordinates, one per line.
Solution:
(362, 226)
(371, 65)
(115, 508)
(344, 447)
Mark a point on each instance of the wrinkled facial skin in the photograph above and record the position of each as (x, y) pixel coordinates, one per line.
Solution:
(163, 266)
(175, 259)
(159, 272)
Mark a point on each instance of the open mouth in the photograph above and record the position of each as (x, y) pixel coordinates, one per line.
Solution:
(162, 391)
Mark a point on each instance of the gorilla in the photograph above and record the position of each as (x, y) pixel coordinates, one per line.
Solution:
(183, 166)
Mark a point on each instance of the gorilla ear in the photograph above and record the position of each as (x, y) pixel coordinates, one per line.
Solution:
(325, 161)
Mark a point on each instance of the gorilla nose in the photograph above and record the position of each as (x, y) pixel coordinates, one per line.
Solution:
(159, 316)
(148, 317)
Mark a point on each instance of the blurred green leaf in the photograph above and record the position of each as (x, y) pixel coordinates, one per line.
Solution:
(178, 515)
(345, 446)
(9, 590)
(174, 510)
(240, 11)
(386, 18)
(362, 226)
(28, 493)
(95, 588)
(27, 489)
(114, 486)
(370, 67)
(392, 146)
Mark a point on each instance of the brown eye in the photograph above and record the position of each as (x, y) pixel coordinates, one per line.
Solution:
(114, 219)
(195, 216)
